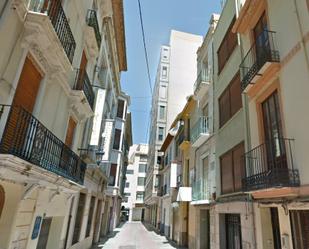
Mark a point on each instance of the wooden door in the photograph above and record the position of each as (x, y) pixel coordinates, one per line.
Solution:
(82, 71)
(25, 97)
(28, 86)
(300, 228)
(70, 132)
(2, 198)
(44, 232)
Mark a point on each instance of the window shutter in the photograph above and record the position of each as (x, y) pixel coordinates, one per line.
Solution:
(226, 162)
(236, 102)
(120, 108)
(224, 107)
(70, 132)
(239, 166)
(116, 145)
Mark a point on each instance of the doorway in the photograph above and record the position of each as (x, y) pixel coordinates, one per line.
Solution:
(204, 229)
(44, 232)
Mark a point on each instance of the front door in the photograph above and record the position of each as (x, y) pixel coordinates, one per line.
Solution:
(204, 229)
(233, 231)
(300, 228)
(275, 144)
(44, 232)
(275, 227)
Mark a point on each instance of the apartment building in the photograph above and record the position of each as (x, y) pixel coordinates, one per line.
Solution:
(201, 155)
(274, 78)
(52, 182)
(176, 70)
(134, 191)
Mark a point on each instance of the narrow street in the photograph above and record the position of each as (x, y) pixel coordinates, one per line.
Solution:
(134, 235)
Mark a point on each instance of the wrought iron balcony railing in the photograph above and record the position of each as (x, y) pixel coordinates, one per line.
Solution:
(54, 10)
(92, 21)
(262, 51)
(201, 127)
(82, 83)
(271, 164)
(200, 190)
(25, 137)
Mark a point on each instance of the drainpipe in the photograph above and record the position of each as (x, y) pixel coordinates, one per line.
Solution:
(301, 33)
(247, 129)
(3, 8)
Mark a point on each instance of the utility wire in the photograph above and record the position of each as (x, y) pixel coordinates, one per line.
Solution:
(144, 42)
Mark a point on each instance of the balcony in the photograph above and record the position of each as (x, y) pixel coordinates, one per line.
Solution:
(82, 83)
(271, 165)
(200, 132)
(53, 9)
(26, 138)
(200, 192)
(92, 21)
(202, 83)
(261, 60)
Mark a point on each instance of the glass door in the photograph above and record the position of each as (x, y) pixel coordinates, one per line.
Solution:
(275, 147)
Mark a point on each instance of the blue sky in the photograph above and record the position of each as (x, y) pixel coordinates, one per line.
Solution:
(159, 16)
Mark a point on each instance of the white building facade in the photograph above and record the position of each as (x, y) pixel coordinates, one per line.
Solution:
(175, 76)
(135, 182)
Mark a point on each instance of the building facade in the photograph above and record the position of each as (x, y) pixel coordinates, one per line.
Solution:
(135, 182)
(171, 78)
(58, 59)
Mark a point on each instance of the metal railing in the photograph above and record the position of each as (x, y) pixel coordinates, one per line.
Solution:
(203, 76)
(271, 164)
(54, 10)
(82, 83)
(200, 190)
(200, 127)
(92, 21)
(25, 137)
(263, 50)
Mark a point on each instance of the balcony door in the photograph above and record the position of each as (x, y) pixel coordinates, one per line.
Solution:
(275, 147)
(82, 71)
(260, 33)
(25, 97)
(205, 177)
(44, 233)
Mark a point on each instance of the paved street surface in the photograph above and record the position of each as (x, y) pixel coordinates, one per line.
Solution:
(134, 235)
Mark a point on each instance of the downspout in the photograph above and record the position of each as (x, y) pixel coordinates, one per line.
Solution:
(301, 32)
(3, 8)
(247, 128)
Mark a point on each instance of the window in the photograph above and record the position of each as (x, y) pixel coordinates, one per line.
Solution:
(163, 92)
(161, 134)
(125, 199)
(79, 217)
(161, 112)
(90, 216)
(112, 175)
(139, 196)
(143, 158)
(233, 231)
(116, 145)
(232, 169)
(164, 72)
(227, 46)
(230, 100)
(127, 194)
(142, 168)
(127, 185)
(120, 108)
(141, 181)
(130, 171)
